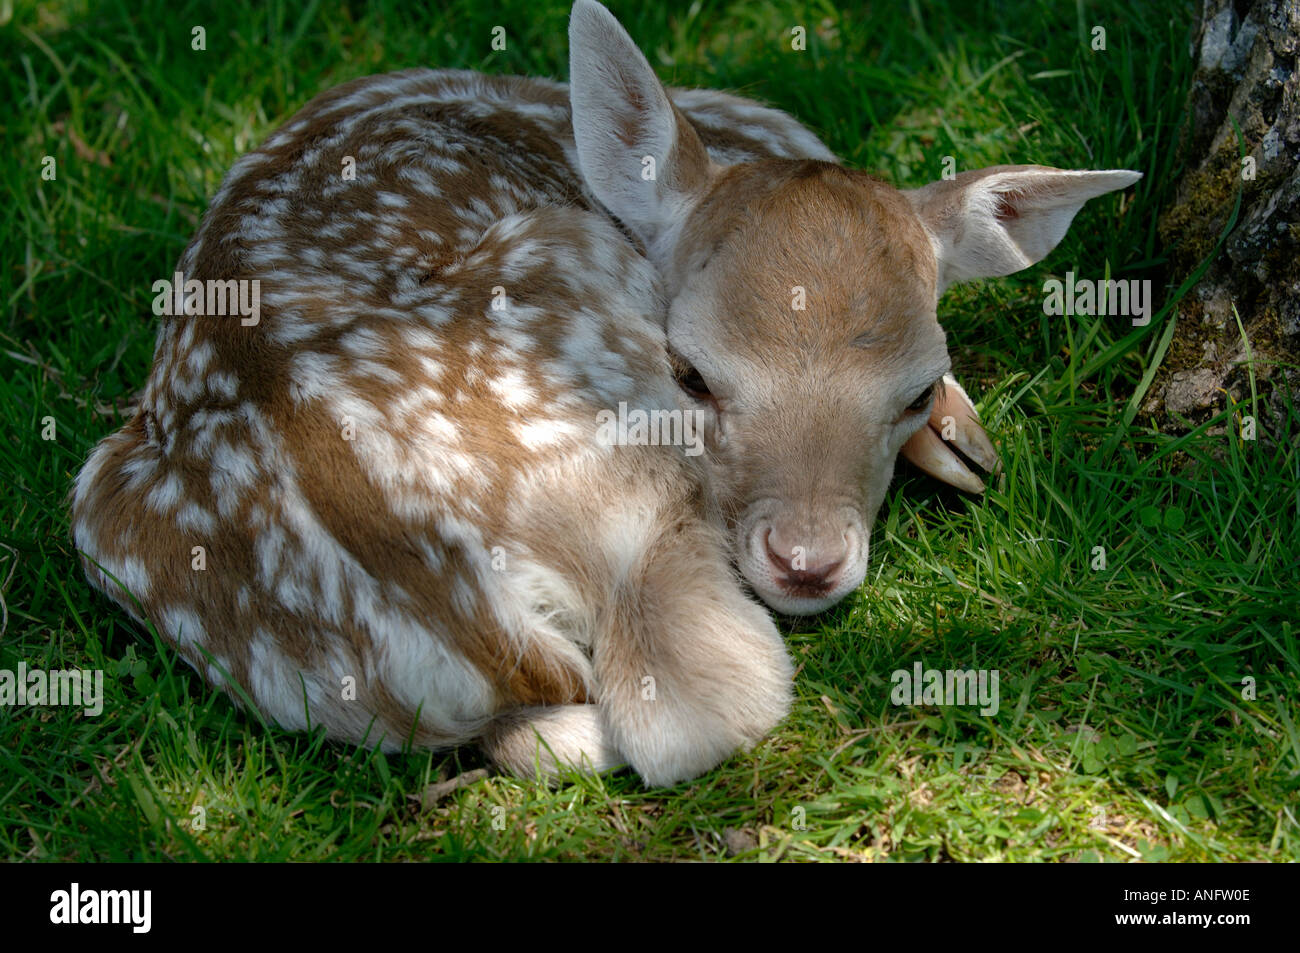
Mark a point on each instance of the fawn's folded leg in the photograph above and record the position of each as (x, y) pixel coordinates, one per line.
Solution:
(551, 738)
(689, 668)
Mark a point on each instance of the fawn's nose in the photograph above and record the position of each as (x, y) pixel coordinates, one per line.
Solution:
(807, 569)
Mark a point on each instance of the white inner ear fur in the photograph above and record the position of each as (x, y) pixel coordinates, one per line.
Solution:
(621, 116)
(999, 220)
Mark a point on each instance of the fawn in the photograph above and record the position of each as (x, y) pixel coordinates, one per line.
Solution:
(384, 507)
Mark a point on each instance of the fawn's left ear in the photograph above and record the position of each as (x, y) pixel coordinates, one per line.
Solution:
(998, 220)
(639, 156)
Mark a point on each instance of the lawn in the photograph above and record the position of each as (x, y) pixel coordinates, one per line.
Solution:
(1136, 592)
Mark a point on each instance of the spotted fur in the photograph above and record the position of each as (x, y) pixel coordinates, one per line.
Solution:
(384, 509)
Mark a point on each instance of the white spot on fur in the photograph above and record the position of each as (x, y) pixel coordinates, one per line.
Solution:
(545, 433)
(165, 495)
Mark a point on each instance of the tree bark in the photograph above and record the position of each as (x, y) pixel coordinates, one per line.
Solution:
(1247, 72)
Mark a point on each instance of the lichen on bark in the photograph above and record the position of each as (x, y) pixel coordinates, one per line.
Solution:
(1245, 95)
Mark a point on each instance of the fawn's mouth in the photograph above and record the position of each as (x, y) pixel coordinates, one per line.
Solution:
(803, 580)
(794, 603)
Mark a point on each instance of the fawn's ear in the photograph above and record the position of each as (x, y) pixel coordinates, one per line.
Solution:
(998, 220)
(639, 156)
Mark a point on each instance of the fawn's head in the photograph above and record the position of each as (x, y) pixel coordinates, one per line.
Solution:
(803, 310)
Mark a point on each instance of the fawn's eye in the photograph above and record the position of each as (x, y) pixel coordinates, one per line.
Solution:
(689, 379)
(923, 401)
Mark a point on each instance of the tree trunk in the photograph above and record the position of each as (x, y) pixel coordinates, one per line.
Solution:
(1247, 72)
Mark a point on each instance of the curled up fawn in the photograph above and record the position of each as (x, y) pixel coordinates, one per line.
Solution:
(414, 499)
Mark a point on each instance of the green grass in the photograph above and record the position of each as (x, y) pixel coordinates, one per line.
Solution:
(1123, 731)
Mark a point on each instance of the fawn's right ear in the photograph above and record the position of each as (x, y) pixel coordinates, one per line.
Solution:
(639, 156)
(998, 220)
